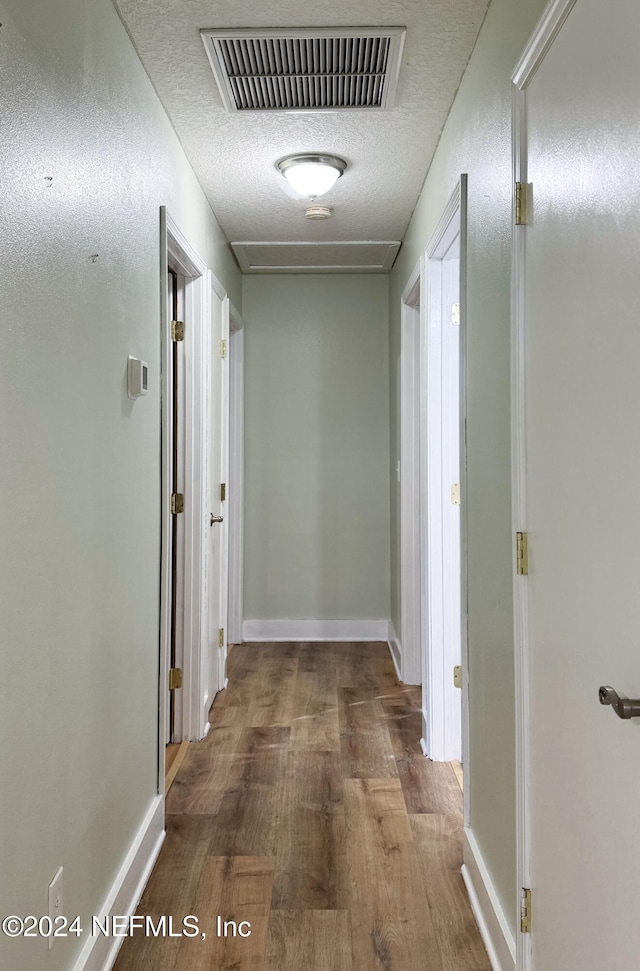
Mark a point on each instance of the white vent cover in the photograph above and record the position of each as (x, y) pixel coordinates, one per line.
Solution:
(323, 69)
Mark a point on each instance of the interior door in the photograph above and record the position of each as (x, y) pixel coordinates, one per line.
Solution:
(582, 481)
(451, 565)
(442, 698)
(217, 449)
(176, 539)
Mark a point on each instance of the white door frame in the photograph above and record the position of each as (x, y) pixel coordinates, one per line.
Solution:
(236, 475)
(216, 291)
(534, 53)
(176, 249)
(440, 697)
(411, 323)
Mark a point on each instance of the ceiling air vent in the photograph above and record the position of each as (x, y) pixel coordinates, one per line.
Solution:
(324, 69)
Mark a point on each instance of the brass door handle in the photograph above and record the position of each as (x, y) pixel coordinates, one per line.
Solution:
(623, 707)
(215, 519)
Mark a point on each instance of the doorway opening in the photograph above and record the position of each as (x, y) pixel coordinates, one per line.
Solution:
(410, 652)
(235, 490)
(216, 355)
(183, 305)
(443, 451)
(176, 381)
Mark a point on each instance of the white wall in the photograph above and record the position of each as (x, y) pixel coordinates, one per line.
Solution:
(477, 140)
(79, 461)
(316, 447)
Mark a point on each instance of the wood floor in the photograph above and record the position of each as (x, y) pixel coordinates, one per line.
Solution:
(310, 812)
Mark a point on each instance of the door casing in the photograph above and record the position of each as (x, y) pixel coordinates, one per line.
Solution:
(191, 720)
(547, 29)
(216, 438)
(236, 475)
(412, 322)
(442, 703)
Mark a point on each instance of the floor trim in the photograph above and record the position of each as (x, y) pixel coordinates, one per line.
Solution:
(490, 917)
(99, 953)
(315, 630)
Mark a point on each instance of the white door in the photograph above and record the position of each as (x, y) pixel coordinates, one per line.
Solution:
(217, 522)
(579, 505)
(442, 617)
(451, 496)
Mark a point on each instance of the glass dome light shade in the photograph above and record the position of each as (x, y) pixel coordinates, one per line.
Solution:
(311, 179)
(311, 176)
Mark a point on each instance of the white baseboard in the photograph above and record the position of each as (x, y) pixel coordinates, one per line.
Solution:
(494, 928)
(315, 630)
(395, 649)
(99, 953)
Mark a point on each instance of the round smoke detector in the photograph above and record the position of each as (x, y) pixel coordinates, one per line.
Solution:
(317, 212)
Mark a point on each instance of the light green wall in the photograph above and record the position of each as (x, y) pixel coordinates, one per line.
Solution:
(79, 461)
(316, 447)
(477, 140)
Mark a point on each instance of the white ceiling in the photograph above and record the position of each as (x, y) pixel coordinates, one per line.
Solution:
(233, 155)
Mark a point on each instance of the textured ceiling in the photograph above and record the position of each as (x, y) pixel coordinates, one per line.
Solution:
(234, 154)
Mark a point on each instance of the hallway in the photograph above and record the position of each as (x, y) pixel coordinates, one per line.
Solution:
(310, 811)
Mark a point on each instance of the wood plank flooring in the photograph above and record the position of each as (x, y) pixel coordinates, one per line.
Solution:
(310, 812)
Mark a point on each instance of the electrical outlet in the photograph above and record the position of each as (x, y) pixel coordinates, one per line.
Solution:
(55, 903)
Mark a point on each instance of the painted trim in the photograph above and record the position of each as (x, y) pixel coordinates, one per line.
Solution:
(315, 630)
(395, 650)
(165, 515)
(195, 511)
(99, 953)
(519, 522)
(224, 477)
(411, 522)
(486, 907)
(444, 712)
(236, 477)
(543, 36)
(184, 258)
(464, 504)
(444, 222)
(210, 440)
(217, 287)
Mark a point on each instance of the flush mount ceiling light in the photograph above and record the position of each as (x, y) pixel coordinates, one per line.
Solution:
(311, 175)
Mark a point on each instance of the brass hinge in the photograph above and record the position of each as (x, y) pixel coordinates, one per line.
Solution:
(221, 637)
(455, 493)
(223, 491)
(525, 911)
(455, 314)
(223, 348)
(457, 676)
(177, 330)
(522, 554)
(177, 503)
(521, 203)
(175, 678)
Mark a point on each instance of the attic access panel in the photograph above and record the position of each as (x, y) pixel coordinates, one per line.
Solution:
(324, 69)
(337, 256)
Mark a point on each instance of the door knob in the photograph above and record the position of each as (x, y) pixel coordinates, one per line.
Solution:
(215, 519)
(623, 707)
